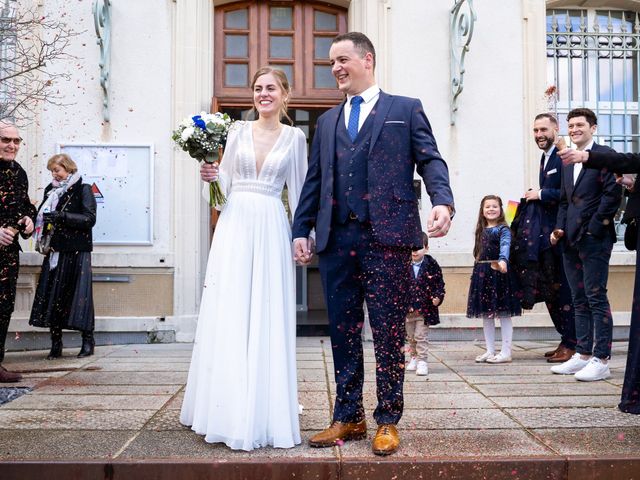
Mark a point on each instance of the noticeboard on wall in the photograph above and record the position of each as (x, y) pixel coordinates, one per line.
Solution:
(121, 177)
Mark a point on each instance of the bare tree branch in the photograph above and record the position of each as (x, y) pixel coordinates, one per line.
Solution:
(30, 45)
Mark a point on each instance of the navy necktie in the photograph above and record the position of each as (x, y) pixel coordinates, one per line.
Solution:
(354, 117)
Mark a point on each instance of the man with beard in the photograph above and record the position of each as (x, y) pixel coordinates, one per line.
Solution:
(16, 215)
(547, 198)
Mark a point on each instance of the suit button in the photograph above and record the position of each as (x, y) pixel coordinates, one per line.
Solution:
(350, 188)
(351, 174)
(353, 149)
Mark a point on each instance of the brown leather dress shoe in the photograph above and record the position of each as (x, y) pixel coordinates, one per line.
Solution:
(9, 377)
(339, 432)
(386, 440)
(551, 353)
(562, 355)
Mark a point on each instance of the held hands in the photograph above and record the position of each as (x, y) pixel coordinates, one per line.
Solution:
(209, 172)
(303, 250)
(568, 155)
(436, 301)
(556, 235)
(439, 221)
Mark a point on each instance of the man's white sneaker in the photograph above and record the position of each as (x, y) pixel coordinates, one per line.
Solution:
(596, 369)
(484, 357)
(571, 366)
(422, 369)
(413, 364)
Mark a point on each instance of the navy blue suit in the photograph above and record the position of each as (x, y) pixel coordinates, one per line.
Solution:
(560, 308)
(586, 216)
(359, 197)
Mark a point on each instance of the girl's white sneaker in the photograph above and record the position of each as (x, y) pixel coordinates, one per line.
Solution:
(500, 358)
(484, 357)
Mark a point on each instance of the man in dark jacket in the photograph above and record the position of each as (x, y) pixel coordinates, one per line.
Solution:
(588, 202)
(547, 200)
(16, 215)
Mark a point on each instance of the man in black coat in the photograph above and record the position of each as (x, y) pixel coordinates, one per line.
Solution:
(16, 215)
(589, 200)
(547, 199)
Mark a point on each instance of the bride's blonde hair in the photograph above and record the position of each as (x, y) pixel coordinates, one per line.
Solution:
(283, 83)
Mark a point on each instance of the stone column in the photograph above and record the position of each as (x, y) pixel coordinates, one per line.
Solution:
(193, 89)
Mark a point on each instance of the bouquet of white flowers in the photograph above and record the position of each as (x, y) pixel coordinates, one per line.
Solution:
(202, 137)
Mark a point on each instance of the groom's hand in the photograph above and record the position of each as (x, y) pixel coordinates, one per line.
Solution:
(439, 221)
(302, 250)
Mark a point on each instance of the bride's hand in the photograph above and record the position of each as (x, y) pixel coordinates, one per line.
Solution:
(209, 172)
(302, 250)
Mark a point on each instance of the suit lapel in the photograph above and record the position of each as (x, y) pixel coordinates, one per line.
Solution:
(380, 113)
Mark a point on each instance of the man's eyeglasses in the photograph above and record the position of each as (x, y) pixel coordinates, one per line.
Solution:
(7, 140)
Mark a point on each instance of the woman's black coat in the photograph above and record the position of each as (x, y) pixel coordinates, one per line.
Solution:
(76, 218)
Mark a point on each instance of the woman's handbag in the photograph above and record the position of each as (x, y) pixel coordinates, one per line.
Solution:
(43, 245)
(631, 235)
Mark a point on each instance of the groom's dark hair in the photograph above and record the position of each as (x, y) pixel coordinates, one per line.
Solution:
(361, 43)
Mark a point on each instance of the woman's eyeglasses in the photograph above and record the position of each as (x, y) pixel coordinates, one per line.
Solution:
(7, 140)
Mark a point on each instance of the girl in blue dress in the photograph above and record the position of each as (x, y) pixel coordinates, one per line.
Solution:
(491, 293)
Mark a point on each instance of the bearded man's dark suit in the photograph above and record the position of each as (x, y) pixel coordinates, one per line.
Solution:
(561, 307)
(587, 208)
(359, 197)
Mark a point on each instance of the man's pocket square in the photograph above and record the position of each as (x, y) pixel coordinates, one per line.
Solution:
(552, 171)
(396, 122)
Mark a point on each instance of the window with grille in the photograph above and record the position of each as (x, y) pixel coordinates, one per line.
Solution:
(8, 39)
(593, 60)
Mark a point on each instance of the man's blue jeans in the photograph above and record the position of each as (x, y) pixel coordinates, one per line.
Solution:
(586, 264)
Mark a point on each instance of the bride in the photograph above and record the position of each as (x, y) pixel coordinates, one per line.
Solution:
(242, 388)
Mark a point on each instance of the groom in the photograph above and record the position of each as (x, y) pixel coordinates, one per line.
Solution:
(359, 197)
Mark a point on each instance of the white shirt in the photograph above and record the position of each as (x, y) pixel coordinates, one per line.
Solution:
(369, 99)
(577, 167)
(547, 155)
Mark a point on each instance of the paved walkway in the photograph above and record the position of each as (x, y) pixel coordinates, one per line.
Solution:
(121, 406)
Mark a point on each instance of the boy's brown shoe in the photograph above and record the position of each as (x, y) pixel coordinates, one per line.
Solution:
(339, 431)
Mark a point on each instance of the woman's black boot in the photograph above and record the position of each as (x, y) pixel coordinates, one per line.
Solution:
(56, 344)
(87, 344)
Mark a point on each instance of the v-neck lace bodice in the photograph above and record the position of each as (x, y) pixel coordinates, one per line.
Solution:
(285, 163)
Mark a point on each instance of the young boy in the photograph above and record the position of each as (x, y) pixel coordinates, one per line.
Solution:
(427, 293)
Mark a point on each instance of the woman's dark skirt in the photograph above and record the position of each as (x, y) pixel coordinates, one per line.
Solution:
(64, 297)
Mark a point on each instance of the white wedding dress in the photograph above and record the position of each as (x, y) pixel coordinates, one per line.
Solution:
(242, 387)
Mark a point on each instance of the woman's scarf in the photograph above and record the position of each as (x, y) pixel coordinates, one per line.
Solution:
(51, 202)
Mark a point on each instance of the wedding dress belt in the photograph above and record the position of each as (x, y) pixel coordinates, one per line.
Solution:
(256, 187)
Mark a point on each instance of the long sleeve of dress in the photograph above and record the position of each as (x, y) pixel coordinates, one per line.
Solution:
(297, 170)
(505, 243)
